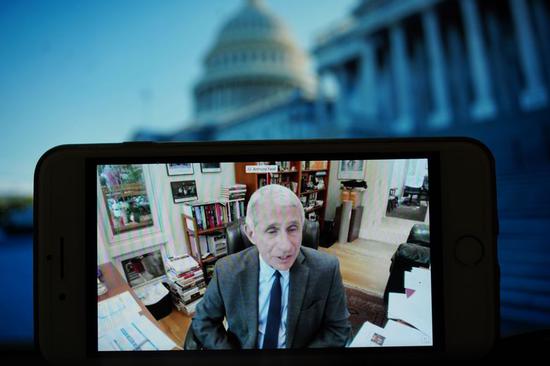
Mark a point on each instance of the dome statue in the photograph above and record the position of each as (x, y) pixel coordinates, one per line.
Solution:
(253, 58)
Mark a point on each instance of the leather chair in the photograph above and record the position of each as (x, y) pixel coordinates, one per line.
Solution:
(237, 239)
(414, 253)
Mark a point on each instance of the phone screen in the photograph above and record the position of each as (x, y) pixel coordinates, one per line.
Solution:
(264, 254)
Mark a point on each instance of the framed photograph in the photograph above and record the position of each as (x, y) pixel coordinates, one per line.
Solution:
(125, 195)
(184, 191)
(211, 167)
(351, 169)
(179, 169)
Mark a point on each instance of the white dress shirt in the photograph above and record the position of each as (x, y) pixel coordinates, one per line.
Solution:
(266, 279)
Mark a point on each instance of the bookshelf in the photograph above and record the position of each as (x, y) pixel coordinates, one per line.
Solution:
(302, 177)
(193, 241)
(204, 224)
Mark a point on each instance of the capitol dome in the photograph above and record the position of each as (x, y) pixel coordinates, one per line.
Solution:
(253, 58)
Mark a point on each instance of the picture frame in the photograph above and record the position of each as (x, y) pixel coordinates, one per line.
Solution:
(351, 169)
(126, 198)
(179, 169)
(211, 167)
(183, 191)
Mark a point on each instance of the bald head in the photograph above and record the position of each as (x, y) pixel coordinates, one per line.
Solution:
(271, 195)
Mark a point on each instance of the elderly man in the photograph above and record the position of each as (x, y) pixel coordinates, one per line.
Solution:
(275, 294)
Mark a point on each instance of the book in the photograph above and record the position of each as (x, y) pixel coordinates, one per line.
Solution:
(318, 164)
(182, 264)
(217, 244)
(192, 298)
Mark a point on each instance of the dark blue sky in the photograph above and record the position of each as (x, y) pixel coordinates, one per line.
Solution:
(95, 71)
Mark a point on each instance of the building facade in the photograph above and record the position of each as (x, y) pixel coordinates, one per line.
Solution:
(433, 67)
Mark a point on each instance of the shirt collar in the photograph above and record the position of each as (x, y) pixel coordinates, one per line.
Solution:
(266, 271)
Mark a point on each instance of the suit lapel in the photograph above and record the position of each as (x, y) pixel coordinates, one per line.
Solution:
(299, 274)
(249, 295)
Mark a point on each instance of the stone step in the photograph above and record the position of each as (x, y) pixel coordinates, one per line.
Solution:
(527, 300)
(537, 285)
(519, 314)
(525, 270)
(534, 226)
(509, 257)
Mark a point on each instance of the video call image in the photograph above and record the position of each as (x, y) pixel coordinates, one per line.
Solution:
(264, 255)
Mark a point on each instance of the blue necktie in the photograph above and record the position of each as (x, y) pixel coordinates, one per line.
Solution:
(271, 337)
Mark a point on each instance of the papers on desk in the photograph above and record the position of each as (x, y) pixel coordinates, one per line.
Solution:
(415, 305)
(137, 334)
(394, 334)
(151, 294)
(122, 328)
(124, 302)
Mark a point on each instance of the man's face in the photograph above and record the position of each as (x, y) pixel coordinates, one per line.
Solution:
(277, 233)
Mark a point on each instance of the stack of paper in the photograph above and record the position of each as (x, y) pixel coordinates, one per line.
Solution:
(394, 334)
(409, 316)
(152, 293)
(415, 305)
(182, 264)
(122, 328)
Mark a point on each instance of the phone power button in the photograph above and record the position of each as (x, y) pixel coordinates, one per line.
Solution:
(469, 251)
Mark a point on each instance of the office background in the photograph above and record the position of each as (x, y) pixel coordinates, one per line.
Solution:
(77, 72)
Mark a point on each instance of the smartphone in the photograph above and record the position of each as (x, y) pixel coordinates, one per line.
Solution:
(266, 251)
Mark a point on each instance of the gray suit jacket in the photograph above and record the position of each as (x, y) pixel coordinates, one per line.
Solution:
(317, 308)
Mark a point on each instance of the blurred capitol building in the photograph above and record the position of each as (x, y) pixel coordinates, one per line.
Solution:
(257, 83)
(478, 68)
(398, 68)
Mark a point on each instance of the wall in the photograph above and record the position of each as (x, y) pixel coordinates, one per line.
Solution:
(168, 229)
(380, 176)
(208, 188)
(416, 170)
(399, 173)
(375, 199)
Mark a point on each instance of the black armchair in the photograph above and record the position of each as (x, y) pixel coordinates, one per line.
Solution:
(414, 253)
(237, 239)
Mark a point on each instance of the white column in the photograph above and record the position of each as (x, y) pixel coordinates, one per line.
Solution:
(542, 22)
(367, 81)
(484, 105)
(534, 95)
(320, 101)
(441, 115)
(341, 104)
(400, 70)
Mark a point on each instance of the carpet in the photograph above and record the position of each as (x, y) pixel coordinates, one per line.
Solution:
(364, 307)
(417, 213)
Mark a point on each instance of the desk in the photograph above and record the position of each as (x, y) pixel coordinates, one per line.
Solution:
(116, 285)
